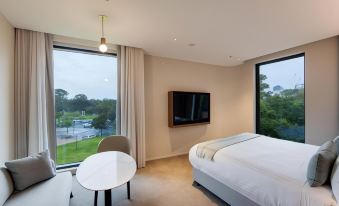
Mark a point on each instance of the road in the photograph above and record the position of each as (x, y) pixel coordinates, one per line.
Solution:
(78, 133)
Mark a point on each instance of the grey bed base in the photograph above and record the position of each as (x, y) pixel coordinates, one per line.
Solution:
(224, 192)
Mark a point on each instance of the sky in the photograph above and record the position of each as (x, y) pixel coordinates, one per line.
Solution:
(285, 73)
(83, 73)
(96, 75)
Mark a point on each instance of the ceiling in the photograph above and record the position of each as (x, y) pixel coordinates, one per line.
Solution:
(243, 29)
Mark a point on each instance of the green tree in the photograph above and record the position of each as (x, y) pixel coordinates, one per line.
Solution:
(263, 86)
(281, 111)
(60, 100)
(107, 107)
(67, 123)
(80, 102)
(100, 122)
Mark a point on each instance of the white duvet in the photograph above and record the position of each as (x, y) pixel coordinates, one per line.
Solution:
(268, 171)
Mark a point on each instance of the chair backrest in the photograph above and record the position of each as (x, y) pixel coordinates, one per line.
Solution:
(114, 143)
(6, 185)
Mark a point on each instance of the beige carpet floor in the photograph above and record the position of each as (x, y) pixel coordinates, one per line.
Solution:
(165, 182)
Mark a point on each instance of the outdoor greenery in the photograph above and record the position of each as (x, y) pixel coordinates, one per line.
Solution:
(85, 117)
(102, 112)
(77, 151)
(282, 112)
(100, 122)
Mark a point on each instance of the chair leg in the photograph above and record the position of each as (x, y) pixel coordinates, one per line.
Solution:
(128, 190)
(95, 198)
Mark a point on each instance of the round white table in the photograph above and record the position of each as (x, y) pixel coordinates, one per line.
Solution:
(105, 171)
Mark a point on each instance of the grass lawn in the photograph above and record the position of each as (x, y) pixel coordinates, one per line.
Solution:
(72, 152)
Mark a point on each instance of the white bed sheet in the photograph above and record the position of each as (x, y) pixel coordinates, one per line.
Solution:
(268, 171)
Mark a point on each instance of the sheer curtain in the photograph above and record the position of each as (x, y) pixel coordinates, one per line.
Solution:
(130, 104)
(34, 93)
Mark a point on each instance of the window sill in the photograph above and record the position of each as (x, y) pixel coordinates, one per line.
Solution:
(68, 168)
(73, 170)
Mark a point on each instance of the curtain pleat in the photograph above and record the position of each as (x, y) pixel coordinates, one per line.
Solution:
(34, 93)
(130, 104)
(52, 141)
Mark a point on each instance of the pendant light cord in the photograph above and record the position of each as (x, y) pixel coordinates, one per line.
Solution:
(102, 25)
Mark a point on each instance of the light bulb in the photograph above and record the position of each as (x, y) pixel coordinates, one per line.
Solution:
(103, 48)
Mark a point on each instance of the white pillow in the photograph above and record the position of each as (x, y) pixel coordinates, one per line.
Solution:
(335, 179)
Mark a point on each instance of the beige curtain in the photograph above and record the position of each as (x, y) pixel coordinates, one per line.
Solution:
(34, 93)
(130, 104)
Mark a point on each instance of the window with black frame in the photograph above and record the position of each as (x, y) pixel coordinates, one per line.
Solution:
(280, 98)
(85, 84)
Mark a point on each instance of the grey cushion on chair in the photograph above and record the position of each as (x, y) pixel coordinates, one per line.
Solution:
(6, 185)
(320, 165)
(335, 179)
(52, 192)
(31, 170)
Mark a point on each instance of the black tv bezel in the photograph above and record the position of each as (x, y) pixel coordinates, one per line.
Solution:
(196, 122)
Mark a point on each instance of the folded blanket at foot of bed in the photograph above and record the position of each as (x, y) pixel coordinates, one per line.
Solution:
(207, 150)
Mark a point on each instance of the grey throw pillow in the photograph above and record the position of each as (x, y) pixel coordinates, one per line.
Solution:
(336, 142)
(320, 165)
(335, 179)
(31, 170)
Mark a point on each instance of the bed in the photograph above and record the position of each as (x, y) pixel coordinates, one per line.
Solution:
(261, 171)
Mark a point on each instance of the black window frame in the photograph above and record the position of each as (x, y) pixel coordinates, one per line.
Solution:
(87, 51)
(257, 87)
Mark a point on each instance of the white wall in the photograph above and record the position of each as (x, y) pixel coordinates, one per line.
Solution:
(227, 99)
(233, 97)
(6, 90)
(321, 88)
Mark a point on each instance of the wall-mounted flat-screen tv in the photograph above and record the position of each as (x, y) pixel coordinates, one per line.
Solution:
(188, 108)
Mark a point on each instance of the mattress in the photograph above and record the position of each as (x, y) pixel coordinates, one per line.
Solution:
(266, 170)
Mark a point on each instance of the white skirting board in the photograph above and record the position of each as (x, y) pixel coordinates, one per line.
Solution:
(167, 156)
(224, 192)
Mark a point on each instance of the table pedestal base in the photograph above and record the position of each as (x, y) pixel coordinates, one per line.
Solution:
(108, 198)
(128, 190)
(95, 198)
(108, 195)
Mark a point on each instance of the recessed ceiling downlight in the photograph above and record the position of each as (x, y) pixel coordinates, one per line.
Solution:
(233, 58)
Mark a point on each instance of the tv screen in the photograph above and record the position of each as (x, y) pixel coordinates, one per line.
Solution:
(189, 108)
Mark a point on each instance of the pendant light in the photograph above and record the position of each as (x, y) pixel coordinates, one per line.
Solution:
(102, 46)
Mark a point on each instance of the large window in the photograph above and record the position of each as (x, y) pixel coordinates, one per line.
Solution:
(85, 101)
(280, 102)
